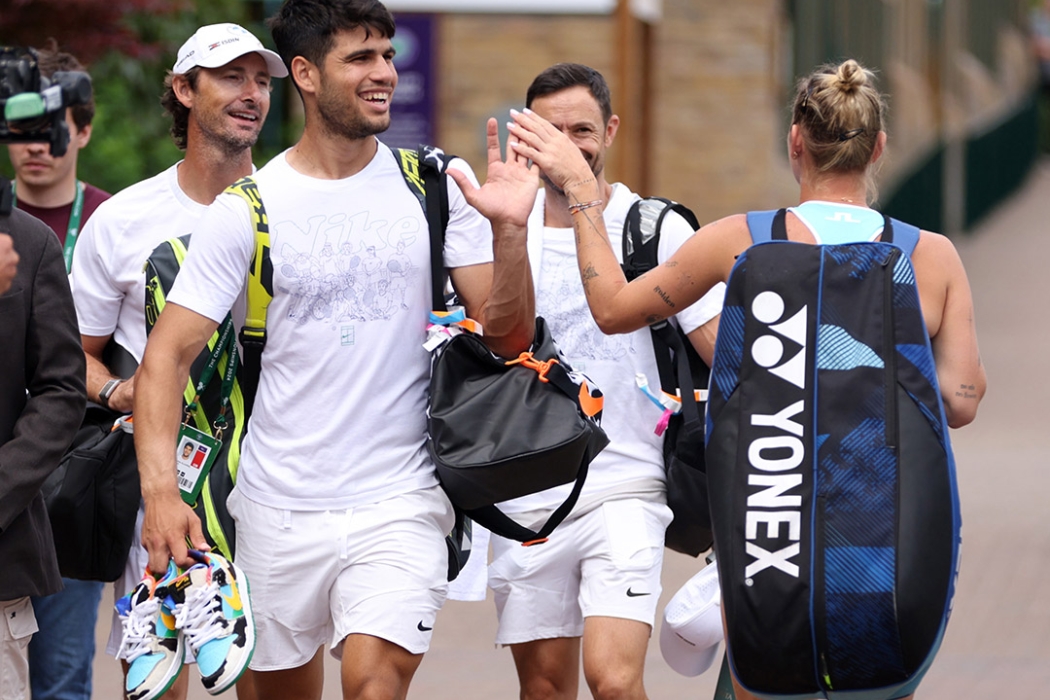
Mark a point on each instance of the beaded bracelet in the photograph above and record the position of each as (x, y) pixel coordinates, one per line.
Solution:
(580, 206)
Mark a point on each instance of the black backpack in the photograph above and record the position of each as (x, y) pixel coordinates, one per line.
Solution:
(681, 368)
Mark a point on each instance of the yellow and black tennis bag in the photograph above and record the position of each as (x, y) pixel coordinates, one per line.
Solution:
(208, 411)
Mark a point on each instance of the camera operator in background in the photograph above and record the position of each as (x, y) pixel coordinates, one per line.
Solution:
(46, 186)
(41, 389)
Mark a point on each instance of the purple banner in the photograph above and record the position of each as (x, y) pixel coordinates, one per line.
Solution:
(412, 110)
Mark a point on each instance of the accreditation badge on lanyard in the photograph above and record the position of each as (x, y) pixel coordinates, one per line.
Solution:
(194, 458)
(196, 450)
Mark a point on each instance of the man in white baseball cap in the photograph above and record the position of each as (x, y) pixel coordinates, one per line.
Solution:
(692, 626)
(218, 96)
(215, 45)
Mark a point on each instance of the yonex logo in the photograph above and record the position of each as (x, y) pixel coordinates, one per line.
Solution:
(768, 350)
(773, 457)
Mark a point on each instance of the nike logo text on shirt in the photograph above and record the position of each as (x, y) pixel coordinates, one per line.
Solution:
(422, 628)
(632, 594)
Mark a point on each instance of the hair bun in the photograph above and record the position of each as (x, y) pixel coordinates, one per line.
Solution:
(850, 76)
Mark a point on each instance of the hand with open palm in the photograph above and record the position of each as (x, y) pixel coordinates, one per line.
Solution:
(510, 186)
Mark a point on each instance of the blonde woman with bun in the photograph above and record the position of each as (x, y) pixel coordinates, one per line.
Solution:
(835, 143)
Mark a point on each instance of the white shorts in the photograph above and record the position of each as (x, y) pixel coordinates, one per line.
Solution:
(16, 629)
(317, 576)
(604, 563)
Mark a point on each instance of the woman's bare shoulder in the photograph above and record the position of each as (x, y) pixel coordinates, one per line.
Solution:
(937, 249)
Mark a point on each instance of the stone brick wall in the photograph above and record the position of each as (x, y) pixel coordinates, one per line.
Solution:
(717, 131)
(718, 115)
(486, 63)
(720, 119)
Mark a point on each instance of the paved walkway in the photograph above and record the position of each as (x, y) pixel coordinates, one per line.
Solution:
(998, 642)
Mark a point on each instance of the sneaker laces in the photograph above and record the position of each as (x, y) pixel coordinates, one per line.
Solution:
(139, 630)
(200, 617)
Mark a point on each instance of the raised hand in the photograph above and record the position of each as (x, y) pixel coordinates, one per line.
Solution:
(562, 163)
(510, 185)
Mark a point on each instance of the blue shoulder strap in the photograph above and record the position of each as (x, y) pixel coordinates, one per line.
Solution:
(905, 236)
(761, 225)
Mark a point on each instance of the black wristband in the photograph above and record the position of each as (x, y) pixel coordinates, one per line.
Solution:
(107, 391)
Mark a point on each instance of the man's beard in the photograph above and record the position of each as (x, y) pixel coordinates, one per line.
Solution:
(231, 144)
(337, 118)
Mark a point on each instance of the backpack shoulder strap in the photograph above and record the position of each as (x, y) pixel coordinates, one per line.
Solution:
(764, 224)
(641, 246)
(641, 232)
(161, 268)
(904, 236)
(259, 292)
(424, 172)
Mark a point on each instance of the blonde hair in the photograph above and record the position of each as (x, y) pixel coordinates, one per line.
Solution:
(840, 113)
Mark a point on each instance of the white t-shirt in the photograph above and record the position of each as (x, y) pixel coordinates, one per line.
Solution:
(633, 461)
(109, 285)
(340, 414)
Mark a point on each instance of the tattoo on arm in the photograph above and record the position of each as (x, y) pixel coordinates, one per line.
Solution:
(577, 184)
(578, 228)
(663, 295)
(589, 273)
(967, 391)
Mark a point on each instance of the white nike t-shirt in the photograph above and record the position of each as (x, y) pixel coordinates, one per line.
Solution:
(340, 415)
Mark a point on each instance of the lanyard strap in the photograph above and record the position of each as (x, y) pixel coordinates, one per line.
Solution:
(73, 229)
(226, 341)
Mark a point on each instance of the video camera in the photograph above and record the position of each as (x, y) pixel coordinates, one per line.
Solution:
(34, 107)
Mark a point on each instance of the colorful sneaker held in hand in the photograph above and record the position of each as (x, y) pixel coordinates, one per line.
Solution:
(213, 611)
(151, 644)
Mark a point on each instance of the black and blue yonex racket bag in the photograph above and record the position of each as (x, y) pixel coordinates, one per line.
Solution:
(832, 482)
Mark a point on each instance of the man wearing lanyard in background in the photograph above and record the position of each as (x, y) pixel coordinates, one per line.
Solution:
(46, 186)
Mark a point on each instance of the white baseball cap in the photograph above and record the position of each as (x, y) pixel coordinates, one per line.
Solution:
(692, 625)
(215, 45)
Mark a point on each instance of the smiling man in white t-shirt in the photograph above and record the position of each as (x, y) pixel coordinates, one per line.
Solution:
(218, 95)
(340, 519)
(594, 587)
